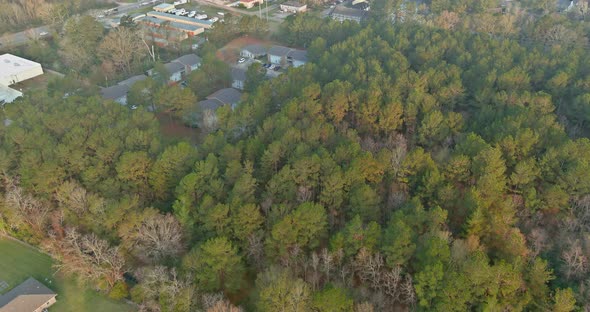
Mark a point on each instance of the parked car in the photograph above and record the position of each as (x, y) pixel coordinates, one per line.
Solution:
(43, 33)
(220, 13)
(266, 65)
(277, 68)
(242, 60)
(214, 19)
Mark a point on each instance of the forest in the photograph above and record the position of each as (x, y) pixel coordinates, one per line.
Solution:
(404, 167)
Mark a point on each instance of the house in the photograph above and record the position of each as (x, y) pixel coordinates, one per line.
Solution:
(182, 19)
(342, 13)
(206, 117)
(29, 296)
(169, 30)
(363, 6)
(248, 4)
(253, 51)
(14, 69)
(297, 57)
(227, 96)
(176, 71)
(132, 80)
(238, 77)
(117, 93)
(163, 7)
(278, 55)
(293, 6)
(190, 62)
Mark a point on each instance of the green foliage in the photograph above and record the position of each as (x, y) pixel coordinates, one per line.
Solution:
(332, 300)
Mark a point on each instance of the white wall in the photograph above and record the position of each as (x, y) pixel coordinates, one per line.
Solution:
(27, 73)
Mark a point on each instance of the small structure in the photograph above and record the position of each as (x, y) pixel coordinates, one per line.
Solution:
(342, 13)
(163, 7)
(190, 62)
(293, 6)
(227, 96)
(248, 4)
(14, 69)
(253, 51)
(29, 296)
(238, 77)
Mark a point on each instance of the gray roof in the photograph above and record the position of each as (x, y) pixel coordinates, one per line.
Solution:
(298, 55)
(229, 96)
(294, 4)
(210, 105)
(238, 74)
(28, 296)
(279, 50)
(342, 10)
(188, 60)
(132, 80)
(114, 92)
(255, 49)
(173, 67)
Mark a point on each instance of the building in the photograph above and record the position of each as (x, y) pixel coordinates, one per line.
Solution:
(176, 71)
(163, 7)
(248, 4)
(253, 51)
(293, 6)
(132, 80)
(117, 93)
(190, 62)
(168, 31)
(14, 69)
(30, 296)
(238, 77)
(227, 96)
(342, 13)
(280, 55)
(182, 19)
(297, 57)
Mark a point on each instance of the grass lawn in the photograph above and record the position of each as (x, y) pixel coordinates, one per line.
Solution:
(18, 262)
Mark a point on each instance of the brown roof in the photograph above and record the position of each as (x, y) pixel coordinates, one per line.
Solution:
(28, 296)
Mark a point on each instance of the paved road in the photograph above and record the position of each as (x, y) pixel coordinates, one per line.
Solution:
(20, 38)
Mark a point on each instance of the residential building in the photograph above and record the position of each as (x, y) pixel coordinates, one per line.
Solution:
(183, 19)
(238, 77)
(342, 13)
(190, 62)
(163, 7)
(14, 69)
(117, 93)
(227, 96)
(293, 6)
(248, 4)
(132, 80)
(29, 296)
(253, 51)
(171, 31)
(297, 57)
(280, 55)
(206, 117)
(176, 71)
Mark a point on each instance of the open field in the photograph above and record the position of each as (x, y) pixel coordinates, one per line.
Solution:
(18, 262)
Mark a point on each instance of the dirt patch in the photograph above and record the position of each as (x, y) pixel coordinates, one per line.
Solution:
(231, 51)
(174, 129)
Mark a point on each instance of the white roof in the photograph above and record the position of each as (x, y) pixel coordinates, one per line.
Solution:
(12, 65)
(8, 95)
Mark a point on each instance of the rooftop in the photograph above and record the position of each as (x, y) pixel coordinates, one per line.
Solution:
(158, 22)
(28, 296)
(210, 105)
(279, 50)
(298, 55)
(13, 65)
(132, 80)
(188, 60)
(114, 92)
(229, 96)
(164, 6)
(8, 95)
(173, 67)
(255, 48)
(342, 10)
(238, 74)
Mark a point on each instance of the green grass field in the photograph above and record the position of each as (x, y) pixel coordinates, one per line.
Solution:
(18, 262)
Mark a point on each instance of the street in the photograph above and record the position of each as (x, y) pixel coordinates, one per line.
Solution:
(21, 38)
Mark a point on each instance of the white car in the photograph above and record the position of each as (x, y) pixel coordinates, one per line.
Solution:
(220, 13)
(214, 19)
(242, 60)
(201, 16)
(43, 33)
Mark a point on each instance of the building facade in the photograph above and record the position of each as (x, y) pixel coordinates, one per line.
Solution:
(293, 6)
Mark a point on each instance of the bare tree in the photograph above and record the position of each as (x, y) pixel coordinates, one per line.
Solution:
(26, 208)
(217, 303)
(576, 261)
(86, 256)
(122, 46)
